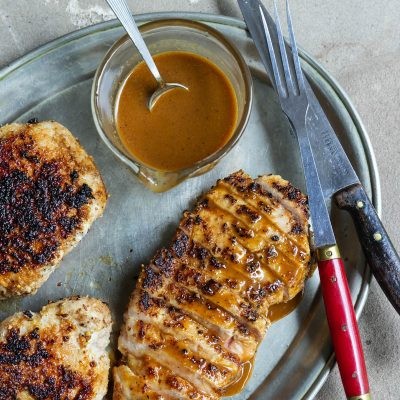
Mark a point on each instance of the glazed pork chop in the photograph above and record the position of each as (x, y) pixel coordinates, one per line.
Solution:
(200, 307)
(58, 353)
(50, 194)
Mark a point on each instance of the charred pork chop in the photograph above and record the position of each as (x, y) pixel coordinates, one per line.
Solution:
(50, 194)
(199, 310)
(57, 354)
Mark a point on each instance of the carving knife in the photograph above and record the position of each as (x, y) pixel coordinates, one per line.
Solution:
(337, 176)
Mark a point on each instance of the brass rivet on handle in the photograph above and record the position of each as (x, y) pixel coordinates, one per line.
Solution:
(344, 327)
(333, 279)
(328, 253)
(377, 236)
(360, 204)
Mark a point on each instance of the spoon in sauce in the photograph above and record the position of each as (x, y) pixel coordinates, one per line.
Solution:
(122, 12)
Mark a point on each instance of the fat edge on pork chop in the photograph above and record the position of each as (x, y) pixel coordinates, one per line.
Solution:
(200, 307)
(50, 194)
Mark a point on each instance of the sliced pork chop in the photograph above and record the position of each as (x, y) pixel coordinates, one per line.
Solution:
(199, 310)
(50, 194)
(58, 353)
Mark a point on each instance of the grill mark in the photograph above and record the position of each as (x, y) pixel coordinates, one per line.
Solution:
(243, 318)
(209, 343)
(184, 306)
(189, 365)
(292, 262)
(271, 222)
(230, 266)
(212, 305)
(152, 375)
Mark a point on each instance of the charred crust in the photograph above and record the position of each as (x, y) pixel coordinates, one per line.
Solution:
(257, 294)
(291, 193)
(174, 383)
(216, 264)
(253, 187)
(211, 287)
(199, 252)
(274, 286)
(27, 363)
(164, 261)
(197, 220)
(253, 215)
(185, 296)
(28, 314)
(271, 252)
(264, 207)
(243, 232)
(296, 229)
(180, 244)
(238, 181)
(203, 203)
(213, 371)
(230, 198)
(252, 266)
(151, 280)
(74, 175)
(249, 313)
(40, 204)
(141, 330)
(144, 301)
(244, 329)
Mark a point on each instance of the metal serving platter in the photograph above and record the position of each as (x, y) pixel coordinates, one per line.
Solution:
(54, 82)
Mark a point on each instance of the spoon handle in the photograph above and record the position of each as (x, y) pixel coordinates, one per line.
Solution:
(121, 10)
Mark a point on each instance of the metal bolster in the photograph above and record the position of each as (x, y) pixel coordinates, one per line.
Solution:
(365, 396)
(329, 253)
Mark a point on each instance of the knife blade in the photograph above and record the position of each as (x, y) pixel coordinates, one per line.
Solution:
(290, 87)
(337, 176)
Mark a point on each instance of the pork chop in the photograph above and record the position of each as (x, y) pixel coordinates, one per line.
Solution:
(56, 354)
(50, 194)
(200, 307)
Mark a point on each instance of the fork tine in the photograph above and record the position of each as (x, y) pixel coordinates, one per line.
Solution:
(282, 49)
(295, 53)
(277, 76)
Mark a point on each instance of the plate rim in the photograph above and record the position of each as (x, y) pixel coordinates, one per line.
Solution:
(78, 34)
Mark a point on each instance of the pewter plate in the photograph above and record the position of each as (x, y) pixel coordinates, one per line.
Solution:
(54, 82)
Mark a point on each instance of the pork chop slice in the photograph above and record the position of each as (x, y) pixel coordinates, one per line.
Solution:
(58, 353)
(200, 307)
(50, 194)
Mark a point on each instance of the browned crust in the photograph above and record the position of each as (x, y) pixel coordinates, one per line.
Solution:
(49, 356)
(50, 193)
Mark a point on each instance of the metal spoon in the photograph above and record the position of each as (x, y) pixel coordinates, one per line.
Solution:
(121, 10)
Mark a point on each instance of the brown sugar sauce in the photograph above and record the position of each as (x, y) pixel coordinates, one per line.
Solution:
(275, 313)
(246, 370)
(184, 127)
(278, 311)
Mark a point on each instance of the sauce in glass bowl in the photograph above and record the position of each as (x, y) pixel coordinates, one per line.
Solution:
(184, 127)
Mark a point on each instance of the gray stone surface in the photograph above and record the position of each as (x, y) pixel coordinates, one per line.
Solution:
(358, 41)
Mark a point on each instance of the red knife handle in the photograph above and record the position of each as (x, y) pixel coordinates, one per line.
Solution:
(343, 324)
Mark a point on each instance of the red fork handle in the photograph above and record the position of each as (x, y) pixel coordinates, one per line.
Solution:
(343, 324)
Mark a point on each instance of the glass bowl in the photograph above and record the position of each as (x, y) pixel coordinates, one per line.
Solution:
(162, 36)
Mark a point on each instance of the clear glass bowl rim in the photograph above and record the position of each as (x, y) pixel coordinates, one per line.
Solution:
(242, 123)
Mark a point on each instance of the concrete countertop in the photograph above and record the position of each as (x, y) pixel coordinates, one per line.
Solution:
(358, 41)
